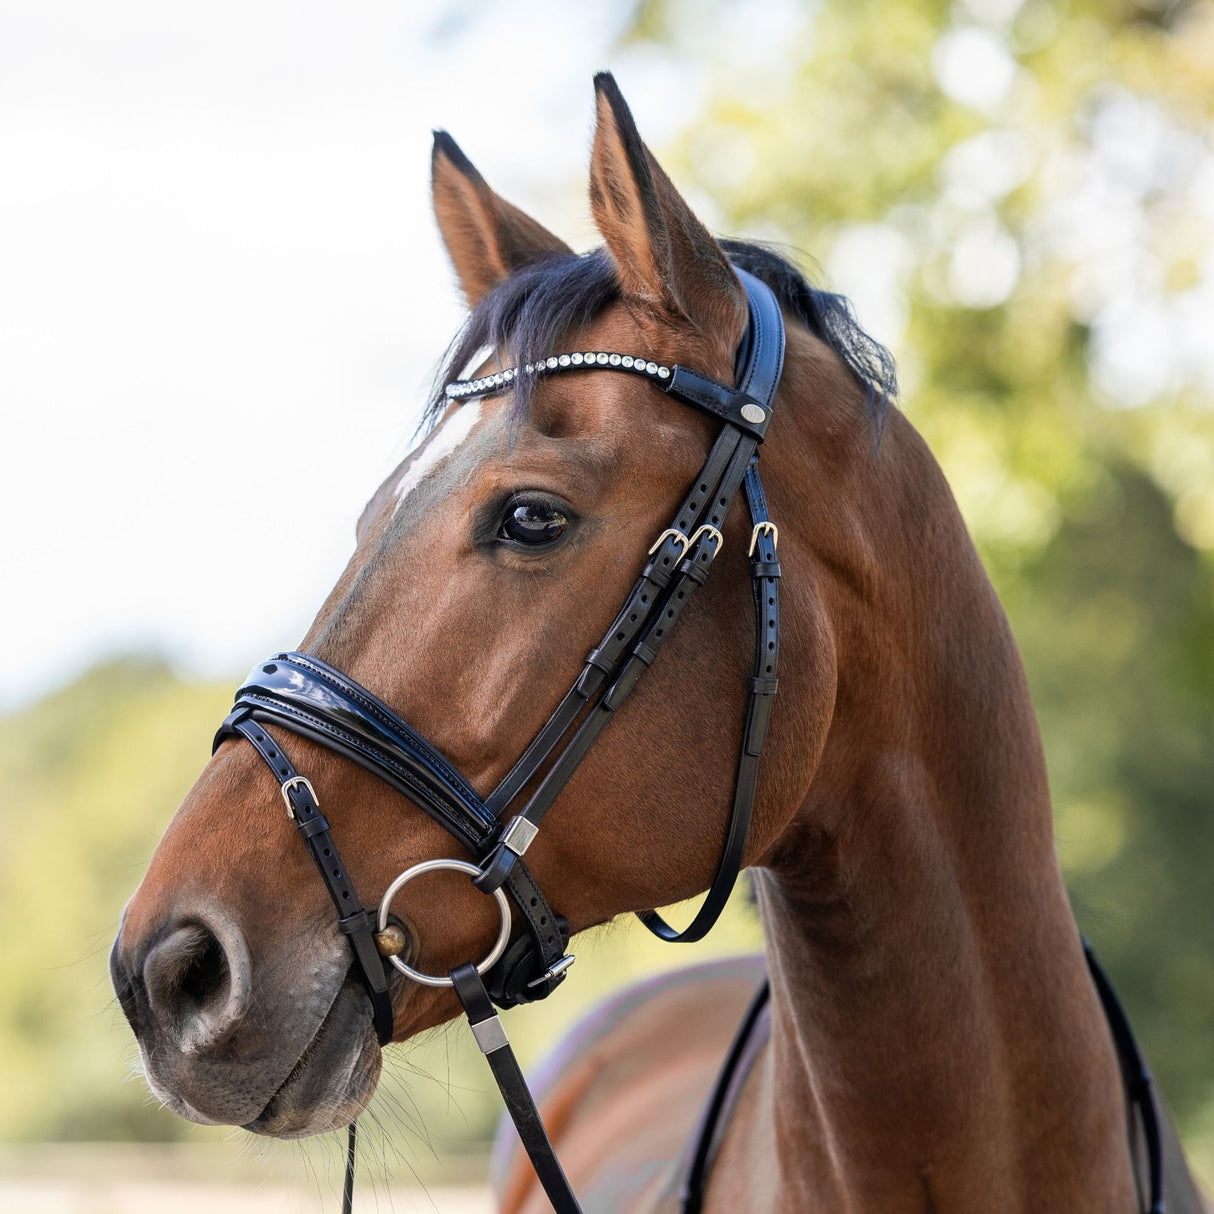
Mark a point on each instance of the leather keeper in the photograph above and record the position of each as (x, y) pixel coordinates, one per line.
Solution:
(355, 923)
(597, 659)
(762, 687)
(495, 870)
(758, 717)
(659, 577)
(695, 570)
(312, 827)
(765, 569)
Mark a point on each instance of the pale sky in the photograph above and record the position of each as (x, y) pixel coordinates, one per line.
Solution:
(222, 294)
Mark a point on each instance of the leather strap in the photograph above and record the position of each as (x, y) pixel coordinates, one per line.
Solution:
(715, 1118)
(763, 358)
(761, 690)
(1137, 1080)
(491, 1037)
(313, 828)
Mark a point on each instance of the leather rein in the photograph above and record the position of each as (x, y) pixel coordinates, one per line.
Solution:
(306, 696)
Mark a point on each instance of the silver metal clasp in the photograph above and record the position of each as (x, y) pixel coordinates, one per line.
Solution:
(766, 526)
(709, 530)
(678, 535)
(518, 834)
(558, 967)
(296, 782)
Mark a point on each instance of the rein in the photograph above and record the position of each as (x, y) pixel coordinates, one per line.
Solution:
(306, 696)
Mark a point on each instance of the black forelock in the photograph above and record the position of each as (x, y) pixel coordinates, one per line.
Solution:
(524, 316)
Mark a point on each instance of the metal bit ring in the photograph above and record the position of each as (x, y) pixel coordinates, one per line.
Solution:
(430, 866)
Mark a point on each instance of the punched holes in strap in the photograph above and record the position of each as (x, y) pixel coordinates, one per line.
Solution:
(304, 810)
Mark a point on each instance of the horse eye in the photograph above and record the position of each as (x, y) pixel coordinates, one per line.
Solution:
(532, 522)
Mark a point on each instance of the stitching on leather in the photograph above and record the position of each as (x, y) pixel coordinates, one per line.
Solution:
(403, 773)
(414, 739)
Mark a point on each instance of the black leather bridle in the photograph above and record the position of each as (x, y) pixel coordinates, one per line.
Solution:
(307, 696)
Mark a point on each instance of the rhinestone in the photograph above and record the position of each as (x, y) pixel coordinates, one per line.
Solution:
(563, 360)
(589, 356)
(552, 364)
(651, 368)
(530, 368)
(638, 363)
(601, 359)
(663, 373)
(626, 360)
(576, 359)
(613, 359)
(510, 374)
(498, 381)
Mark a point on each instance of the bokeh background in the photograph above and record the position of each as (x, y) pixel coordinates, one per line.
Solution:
(218, 272)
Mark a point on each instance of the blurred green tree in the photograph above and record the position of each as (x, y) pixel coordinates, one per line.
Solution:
(1019, 197)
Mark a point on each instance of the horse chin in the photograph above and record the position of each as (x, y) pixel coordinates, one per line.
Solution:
(335, 1077)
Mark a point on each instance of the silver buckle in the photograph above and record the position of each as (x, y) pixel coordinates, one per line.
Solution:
(678, 535)
(296, 782)
(766, 526)
(709, 530)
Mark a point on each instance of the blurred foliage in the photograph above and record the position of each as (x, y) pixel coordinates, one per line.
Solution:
(1020, 198)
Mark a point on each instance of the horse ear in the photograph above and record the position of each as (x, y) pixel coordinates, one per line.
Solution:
(486, 237)
(664, 255)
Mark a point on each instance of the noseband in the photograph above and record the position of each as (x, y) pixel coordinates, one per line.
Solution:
(307, 696)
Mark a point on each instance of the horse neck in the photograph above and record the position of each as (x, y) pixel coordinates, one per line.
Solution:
(933, 1020)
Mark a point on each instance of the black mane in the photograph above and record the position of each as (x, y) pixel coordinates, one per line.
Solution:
(528, 312)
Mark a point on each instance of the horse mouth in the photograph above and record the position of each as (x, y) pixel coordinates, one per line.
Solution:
(335, 1076)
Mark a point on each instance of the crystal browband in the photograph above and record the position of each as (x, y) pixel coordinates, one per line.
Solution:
(489, 384)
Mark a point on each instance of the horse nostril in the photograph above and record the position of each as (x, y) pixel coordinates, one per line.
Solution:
(198, 984)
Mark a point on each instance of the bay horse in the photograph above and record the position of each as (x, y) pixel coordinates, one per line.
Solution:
(933, 1039)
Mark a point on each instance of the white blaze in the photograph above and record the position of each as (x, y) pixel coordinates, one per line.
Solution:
(442, 443)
